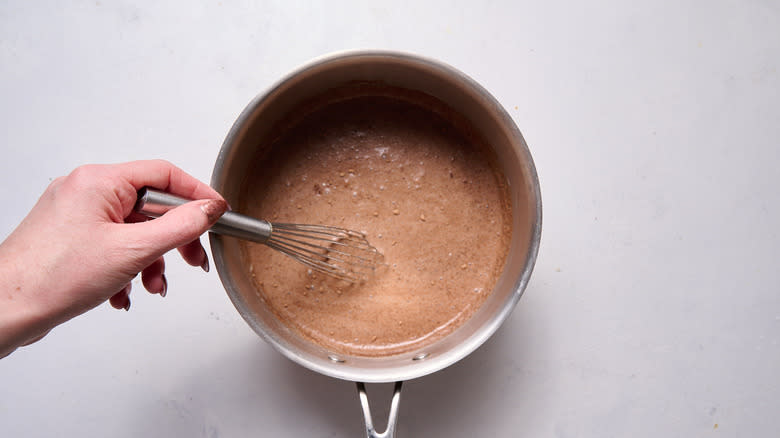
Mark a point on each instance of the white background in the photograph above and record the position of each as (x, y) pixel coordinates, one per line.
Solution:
(653, 310)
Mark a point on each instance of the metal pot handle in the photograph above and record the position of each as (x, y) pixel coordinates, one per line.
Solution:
(391, 420)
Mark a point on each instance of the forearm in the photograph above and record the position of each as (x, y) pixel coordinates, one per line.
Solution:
(17, 326)
(21, 320)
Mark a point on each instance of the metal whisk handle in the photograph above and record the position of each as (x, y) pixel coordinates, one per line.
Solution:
(154, 203)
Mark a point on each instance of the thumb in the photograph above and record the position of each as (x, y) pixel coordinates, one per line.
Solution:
(178, 226)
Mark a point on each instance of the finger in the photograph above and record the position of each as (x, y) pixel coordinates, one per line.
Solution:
(56, 183)
(165, 176)
(194, 254)
(175, 228)
(36, 339)
(161, 175)
(153, 277)
(121, 299)
(134, 217)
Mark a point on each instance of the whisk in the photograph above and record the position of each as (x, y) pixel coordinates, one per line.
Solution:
(338, 252)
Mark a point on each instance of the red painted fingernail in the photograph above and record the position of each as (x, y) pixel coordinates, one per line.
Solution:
(214, 209)
(205, 265)
(164, 291)
(127, 306)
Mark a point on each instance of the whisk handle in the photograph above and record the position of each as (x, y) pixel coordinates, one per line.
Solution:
(154, 203)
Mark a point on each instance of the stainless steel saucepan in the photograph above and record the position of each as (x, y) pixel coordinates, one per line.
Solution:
(251, 131)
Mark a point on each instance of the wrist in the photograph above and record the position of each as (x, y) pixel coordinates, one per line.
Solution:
(19, 323)
(21, 319)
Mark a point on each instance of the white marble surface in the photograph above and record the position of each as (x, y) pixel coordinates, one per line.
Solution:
(654, 309)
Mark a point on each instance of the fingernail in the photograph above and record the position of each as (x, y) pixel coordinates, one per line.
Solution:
(214, 209)
(164, 291)
(205, 265)
(127, 306)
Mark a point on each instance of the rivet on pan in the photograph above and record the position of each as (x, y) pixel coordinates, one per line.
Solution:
(420, 356)
(334, 358)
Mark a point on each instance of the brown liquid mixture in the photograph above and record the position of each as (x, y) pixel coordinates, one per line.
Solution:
(420, 187)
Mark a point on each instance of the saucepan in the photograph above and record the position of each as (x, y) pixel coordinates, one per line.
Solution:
(252, 130)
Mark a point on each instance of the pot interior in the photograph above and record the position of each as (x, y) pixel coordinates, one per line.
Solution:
(254, 129)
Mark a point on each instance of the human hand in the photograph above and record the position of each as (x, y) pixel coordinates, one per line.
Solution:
(81, 245)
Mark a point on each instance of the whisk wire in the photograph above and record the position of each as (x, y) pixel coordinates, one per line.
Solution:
(325, 255)
(317, 265)
(348, 255)
(329, 239)
(329, 233)
(289, 241)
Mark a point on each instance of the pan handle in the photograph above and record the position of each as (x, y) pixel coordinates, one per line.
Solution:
(370, 431)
